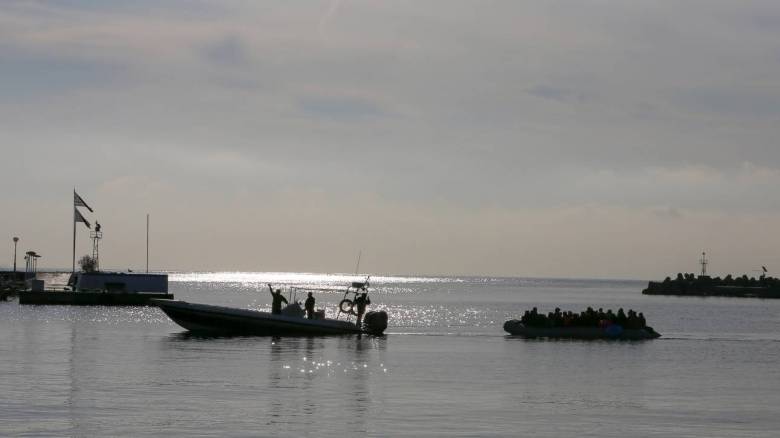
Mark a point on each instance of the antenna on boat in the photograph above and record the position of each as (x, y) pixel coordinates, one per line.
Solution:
(147, 243)
(357, 266)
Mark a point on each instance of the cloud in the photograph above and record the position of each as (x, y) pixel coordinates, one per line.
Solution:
(229, 51)
(668, 212)
(329, 14)
(342, 108)
(177, 8)
(743, 102)
(562, 95)
(24, 75)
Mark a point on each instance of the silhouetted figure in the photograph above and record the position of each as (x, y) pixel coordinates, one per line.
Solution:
(309, 306)
(97, 226)
(633, 321)
(526, 319)
(621, 318)
(278, 299)
(361, 302)
(591, 318)
(557, 317)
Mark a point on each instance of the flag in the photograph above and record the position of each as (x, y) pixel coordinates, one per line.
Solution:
(78, 202)
(77, 217)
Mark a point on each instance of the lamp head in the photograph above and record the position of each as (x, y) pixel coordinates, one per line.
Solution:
(16, 239)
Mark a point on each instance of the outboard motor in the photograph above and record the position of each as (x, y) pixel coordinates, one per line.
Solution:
(375, 322)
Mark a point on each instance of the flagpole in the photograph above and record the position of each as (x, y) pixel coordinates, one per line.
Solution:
(77, 217)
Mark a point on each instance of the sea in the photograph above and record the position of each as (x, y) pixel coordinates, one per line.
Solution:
(445, 367)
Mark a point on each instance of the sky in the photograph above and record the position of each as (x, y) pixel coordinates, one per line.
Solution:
(597, 139)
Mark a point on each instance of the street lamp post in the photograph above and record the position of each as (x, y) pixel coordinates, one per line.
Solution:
(16, 240)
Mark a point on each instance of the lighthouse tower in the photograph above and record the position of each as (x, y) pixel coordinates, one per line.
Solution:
(96, 235)
(704, 262)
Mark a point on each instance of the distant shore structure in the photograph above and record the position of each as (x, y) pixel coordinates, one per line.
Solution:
(90, 285)
(706, 286)
(704, 262)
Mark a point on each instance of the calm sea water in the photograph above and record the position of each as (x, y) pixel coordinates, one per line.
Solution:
(445, 367)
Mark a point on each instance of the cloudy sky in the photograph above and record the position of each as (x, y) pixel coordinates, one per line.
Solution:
(605, 139)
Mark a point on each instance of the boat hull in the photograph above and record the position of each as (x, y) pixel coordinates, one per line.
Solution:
(516, 328)
(204, 318)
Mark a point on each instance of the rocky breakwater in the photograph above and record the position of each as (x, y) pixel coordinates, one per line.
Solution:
(706, 286)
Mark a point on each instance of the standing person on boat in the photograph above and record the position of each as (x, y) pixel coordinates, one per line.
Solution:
(278, 299)
(309, 305)
(361, 302)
